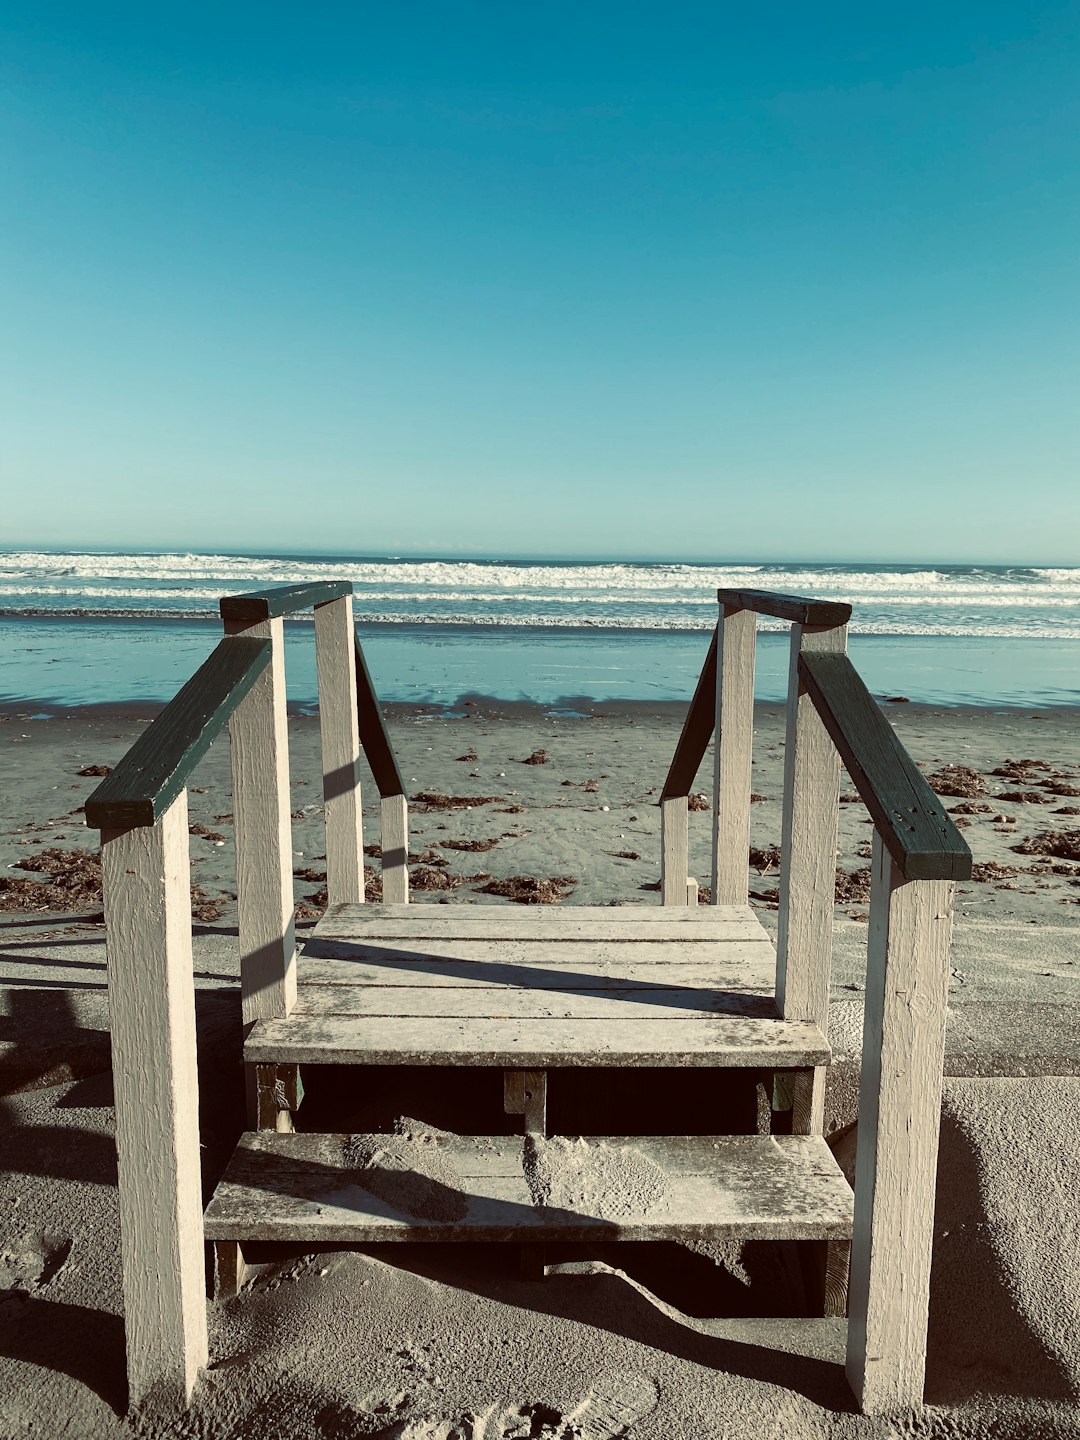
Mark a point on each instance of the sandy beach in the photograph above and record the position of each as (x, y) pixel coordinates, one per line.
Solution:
(433, 1345)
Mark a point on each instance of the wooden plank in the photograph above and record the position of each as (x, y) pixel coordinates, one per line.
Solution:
(921, 837)
(642, 1003)
(796, 608)
(394, 815)
(737, 634)
(674, 850)
(808, 858)
(302, 1188)
(899, 1115)
(540, 1044)
(525, 1093)
(526, 922)
(539, 964)
(145, 879)
(697, 730)
(279, 1091)
(157, 767)
(373, 733)
(259, 746)
(335, 661)
(230, 1269)
(256, 605)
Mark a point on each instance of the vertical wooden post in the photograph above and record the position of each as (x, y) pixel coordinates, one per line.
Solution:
(899, 1118)
(808, 863)
(335, 660)
(736, 642)
(146, 884)
(394, 815)
(259, 740)
(674, 850)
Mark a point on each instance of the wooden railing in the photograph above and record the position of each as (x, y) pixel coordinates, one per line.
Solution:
(141, 811)
(918, 854)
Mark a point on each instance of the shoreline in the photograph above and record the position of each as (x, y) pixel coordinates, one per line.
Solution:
(473, 705)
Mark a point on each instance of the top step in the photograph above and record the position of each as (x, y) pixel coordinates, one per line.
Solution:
(453, 985)
(570, 922)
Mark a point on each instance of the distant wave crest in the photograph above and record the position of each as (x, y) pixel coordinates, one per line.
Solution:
(973, 600)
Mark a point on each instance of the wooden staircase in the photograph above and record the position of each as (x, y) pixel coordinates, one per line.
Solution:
(525, 992)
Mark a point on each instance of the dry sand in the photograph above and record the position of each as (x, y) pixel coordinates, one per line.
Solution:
(428, 1343)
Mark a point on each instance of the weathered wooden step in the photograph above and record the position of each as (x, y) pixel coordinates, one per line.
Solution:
(668, 1037)
(360, 1189)
(713, 923)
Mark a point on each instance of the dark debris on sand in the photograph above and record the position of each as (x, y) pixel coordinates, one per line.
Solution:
(529, 890)
(852, 886)
(1062, 844)
(538, 757)
(428, 800)
(959, 780)
(74, 885)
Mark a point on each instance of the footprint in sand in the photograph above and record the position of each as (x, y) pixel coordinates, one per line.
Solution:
(610, 1409)
(33, 1263)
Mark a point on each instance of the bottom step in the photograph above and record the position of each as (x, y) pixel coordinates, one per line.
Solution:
(429, 1185)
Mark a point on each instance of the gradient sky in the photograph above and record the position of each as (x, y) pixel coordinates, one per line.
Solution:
(691, 281)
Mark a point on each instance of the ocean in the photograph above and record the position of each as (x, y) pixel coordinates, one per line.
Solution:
(78, 628)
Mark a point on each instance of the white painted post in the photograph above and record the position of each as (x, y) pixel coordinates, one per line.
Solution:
(394, 816)
(335, 661)
(259, 741)
(899, 1118)
(808, 863)
(146, 884)
(674, 850)
(736, 644)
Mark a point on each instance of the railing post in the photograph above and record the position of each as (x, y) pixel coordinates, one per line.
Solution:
(899, 1119)
(335, 661)
(146, 882)
(674, 849)
(394, 818)
(736, 642)
(259, 743)
(808, 867)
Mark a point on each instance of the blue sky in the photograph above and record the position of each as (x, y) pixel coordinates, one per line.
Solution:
(702, 281)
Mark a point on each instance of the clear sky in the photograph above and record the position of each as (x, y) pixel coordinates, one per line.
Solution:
(687, 280)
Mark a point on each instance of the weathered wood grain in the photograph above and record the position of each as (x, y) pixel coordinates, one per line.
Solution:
(394, 816)
(259, 752)
(335, 661)
(796, 608)
(512, 1001)
(373, 734)
(587, 923)
(697, 731)
(155, 1078)
(907, 986)
(157, 767)
(674, 850)
(230, 1269)
(737, 636)
(920, 836)
(495, 965)
(255, 605)
(525, 1093)
(299, 1188)
(720, 1040)
(808, 857)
